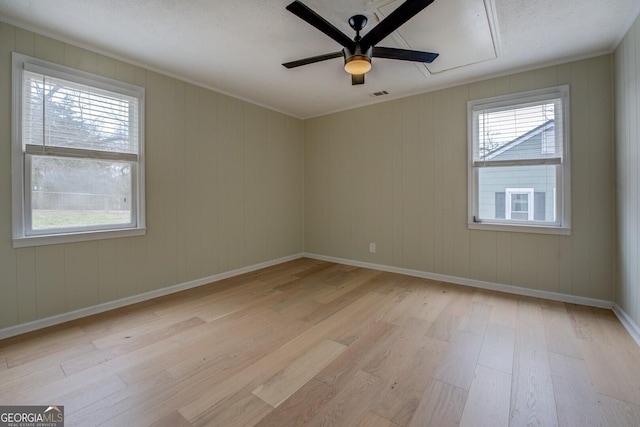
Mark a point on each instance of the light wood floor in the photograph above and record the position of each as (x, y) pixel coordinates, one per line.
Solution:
(316, 343)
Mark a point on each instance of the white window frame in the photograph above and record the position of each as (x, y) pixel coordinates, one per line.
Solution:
(562, 197)
(507, 201)
(22, 154)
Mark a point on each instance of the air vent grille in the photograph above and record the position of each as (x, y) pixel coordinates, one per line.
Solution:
(380, 93)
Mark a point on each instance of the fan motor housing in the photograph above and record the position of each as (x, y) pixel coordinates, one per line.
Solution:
(357, 56)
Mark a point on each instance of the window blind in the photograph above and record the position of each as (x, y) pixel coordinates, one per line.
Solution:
(525, 134)
(59, 113)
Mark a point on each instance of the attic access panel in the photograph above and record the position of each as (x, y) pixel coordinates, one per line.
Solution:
(464, 32)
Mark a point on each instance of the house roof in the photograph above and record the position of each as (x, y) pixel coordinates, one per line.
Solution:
(528, 136)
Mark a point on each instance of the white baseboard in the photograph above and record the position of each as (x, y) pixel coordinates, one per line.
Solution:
(100, 308)
(628, 323)
(555, 296)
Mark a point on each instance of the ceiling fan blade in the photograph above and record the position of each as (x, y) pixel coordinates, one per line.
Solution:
(313, 59)
(399, 16)
(357, 79)
(404, 54)
(308, 15)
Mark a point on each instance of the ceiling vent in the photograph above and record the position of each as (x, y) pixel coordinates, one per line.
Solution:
(380, 93)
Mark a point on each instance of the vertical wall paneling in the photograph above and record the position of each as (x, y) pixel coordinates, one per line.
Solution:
(26, 288)
(627, 161)
(107, 271)
(427, 152)
(193, 193)
(224, 190)
(8, 279)
(81, 275)
(580, 171)
(158, 97)
(51, 296)
(81, 59)
(455, 106)
(414, 147)
(395, 116)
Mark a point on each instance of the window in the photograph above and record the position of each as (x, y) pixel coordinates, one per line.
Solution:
(519, 176)
(519, 203)
(78, 167)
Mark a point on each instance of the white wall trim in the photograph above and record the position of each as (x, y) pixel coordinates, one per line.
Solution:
(111, 305)
(536, 293)
(628, 323)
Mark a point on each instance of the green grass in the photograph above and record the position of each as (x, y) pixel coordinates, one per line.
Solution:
(44, 219)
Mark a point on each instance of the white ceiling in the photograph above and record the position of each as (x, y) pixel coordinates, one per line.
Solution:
(237, 47)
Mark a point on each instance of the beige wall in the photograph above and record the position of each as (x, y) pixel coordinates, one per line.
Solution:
(396, 174)
(224, 189)
(627, 104)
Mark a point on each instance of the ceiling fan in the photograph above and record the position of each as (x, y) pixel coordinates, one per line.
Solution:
(358, 52)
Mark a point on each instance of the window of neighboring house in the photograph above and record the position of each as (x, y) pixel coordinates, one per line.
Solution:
(519, 203)
(519, 176)
(78, 165)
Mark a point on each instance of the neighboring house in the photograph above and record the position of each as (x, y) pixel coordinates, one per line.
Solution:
(521, 192)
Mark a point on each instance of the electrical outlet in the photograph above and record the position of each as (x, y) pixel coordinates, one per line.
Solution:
(372, 248)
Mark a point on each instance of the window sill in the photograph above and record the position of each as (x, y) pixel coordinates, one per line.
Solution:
(536, 229)
(53, 239)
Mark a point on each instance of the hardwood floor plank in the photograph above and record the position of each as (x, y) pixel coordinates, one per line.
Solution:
(55, 358)
(618, 412)
(576, 400)
(348, 285)
(98, 356)
(407, 361)
(435, 299)
(125, 336)
(585, 323)
(351, 403)
(174, 419)
(246, 411)
(340, 371)
(461, 298)
(497, 347)
(17, 391)
(532, 397)
(476, 319)
(441, 406)
(614, 373)
(459, 362)
(373, 420)
(398, 354)
(401, 309)
(444, 327)
(559, 332)
(147, 402)
(286, 382)
(35, 345)
(89, 394)
(504, 308)
(488, 400)
(55, 384)
(301, 407)
(529, 310)
(228, 355)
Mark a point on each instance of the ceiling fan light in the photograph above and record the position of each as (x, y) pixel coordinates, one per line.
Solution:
(357, 65)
